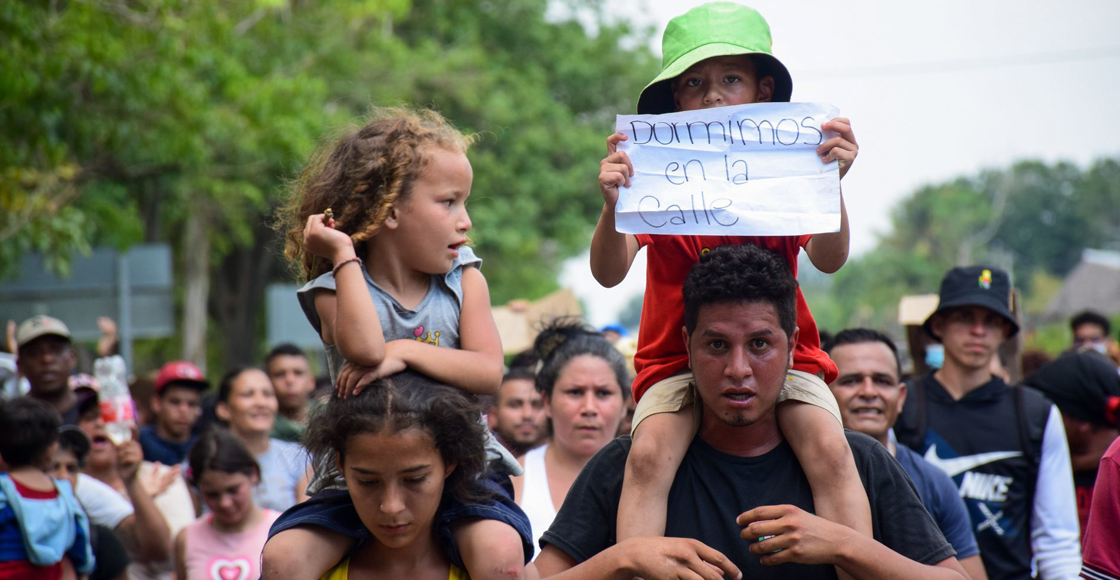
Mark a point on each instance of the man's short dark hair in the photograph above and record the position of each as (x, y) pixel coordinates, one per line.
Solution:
(29, 428)
(741, 273)
(527, 358)
(863, 336)
(1090, 317)
(519, 373)
(284, 349)
(513, 374)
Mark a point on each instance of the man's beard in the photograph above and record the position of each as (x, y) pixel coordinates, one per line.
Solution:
(737, 420)
(519, 448)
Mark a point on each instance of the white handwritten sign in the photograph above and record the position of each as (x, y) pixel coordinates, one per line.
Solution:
(743, 170)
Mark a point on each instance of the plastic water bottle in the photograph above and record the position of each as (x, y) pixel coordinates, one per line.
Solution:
(117, 409)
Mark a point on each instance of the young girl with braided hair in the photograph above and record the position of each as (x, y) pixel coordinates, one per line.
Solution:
(377, 224)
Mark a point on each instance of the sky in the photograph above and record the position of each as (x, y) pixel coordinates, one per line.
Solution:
(934, 90)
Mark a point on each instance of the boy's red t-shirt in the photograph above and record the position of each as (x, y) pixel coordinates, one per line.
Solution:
(661, 353)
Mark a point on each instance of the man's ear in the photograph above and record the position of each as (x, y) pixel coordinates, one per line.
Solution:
(546, 402)
(491, 418)
(687, 345)
(338, 464)
(936, 325)
(793, 343)
(222, 411)
(154, 404)
(449, 468)
(765, 89)
(901, 396)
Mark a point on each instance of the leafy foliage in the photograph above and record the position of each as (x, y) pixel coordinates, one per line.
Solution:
(122, 119)
(1032, 219)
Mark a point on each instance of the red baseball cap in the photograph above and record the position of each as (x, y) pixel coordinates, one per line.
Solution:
(181, 372)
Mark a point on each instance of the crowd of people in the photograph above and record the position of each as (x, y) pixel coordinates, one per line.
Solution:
(731, 443)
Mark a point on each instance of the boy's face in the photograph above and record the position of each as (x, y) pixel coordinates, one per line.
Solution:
(971, 335)
(177, 408)
(66, 466)
(721, 81)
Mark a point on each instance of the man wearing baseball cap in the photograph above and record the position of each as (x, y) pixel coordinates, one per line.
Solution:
(46, 358)
(175, 408)
(1004, 446)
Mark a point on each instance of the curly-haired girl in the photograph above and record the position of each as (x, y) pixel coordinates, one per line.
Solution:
(392, 286)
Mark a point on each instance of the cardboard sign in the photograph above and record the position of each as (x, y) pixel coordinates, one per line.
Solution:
(749, 170)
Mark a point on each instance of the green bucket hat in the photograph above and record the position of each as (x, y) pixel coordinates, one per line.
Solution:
(710, 30)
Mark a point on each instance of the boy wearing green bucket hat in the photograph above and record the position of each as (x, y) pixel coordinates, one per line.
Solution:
(715, 55)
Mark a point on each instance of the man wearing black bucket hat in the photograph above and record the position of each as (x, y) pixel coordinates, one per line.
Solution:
(1004, 447)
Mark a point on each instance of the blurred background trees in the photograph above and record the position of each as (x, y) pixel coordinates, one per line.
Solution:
(179, 121)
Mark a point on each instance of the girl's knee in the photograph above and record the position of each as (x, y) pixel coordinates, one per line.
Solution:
(490, 550)
(302, 552)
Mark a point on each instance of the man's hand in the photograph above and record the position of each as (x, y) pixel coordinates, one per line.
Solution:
(10, 338)
(129, 456)
(614, 171)
(158, 479)
(843, 148)
(800, 536)
(320, 238)
(674, 558)
(110, 339)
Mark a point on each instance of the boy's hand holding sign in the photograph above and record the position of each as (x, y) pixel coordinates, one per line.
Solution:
(742, 170)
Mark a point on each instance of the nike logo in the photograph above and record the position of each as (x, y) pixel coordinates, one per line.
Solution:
(958, 465)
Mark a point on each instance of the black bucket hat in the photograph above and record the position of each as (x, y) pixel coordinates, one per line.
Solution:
(983, 286)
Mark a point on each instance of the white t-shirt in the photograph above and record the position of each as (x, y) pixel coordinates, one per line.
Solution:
(282, 466)
(536, 499)
(102, 503)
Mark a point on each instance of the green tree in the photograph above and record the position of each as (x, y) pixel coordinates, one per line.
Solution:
(1032, 219)
(180, 120)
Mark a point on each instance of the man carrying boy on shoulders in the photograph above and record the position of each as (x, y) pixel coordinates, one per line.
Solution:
(740, 500)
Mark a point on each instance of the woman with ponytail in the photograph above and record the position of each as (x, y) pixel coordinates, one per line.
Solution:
(584, 382)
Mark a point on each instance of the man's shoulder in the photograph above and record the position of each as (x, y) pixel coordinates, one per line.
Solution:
(873, 460)
(864, 444)
(148, 435)
(617, 448)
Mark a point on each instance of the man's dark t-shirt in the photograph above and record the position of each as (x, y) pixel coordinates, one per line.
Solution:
(712, 488)
(159, 449)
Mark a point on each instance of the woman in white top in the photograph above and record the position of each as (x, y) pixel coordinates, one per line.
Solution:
(247, 403)
(585, 383)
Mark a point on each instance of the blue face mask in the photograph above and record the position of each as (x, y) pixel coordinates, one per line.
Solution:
(935, 356)
(1100, 347)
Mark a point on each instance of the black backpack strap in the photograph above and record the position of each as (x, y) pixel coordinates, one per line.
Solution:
(1031, 443)
(914, 418)
(922, 420)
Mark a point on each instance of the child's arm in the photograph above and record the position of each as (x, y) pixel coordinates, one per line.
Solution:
(349, 318)
(829, 252)
(181, 555)
(476, 366)
(612, 252)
